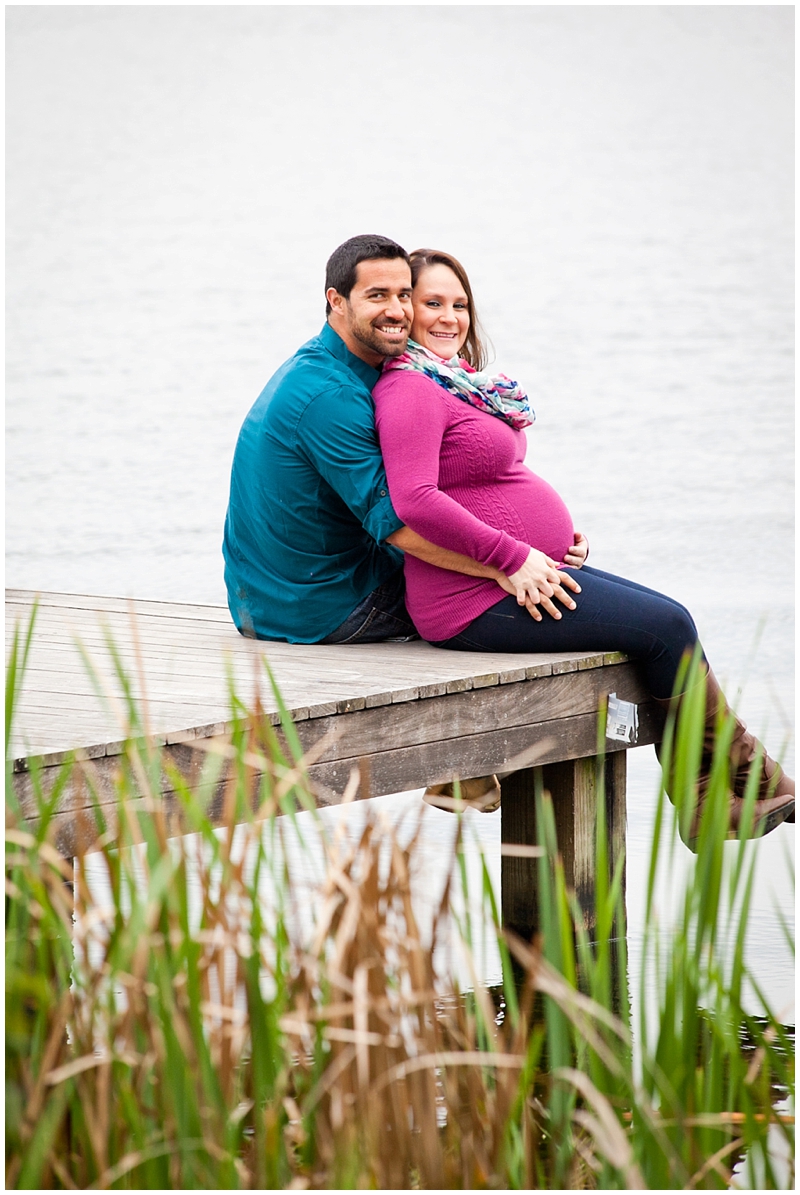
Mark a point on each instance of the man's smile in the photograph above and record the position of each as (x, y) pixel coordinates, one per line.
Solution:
(393, 329)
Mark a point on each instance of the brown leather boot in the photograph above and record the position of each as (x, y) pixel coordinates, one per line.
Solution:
(775, 796)
(773, 781)
(481, 793)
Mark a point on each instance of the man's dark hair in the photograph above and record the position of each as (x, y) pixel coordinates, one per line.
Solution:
(340, 272)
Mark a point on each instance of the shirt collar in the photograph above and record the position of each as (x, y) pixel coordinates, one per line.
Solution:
(333, 342)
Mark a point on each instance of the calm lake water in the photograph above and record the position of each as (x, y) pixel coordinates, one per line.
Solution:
(618, 181)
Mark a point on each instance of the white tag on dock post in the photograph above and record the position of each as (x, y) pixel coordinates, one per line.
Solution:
(622, 722)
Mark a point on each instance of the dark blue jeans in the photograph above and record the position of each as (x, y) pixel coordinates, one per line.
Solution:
(611, 614)
(380, 616)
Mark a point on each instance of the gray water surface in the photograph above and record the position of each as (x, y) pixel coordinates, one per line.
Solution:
(618, 181)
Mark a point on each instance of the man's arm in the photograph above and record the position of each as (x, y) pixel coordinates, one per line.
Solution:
(408, 541)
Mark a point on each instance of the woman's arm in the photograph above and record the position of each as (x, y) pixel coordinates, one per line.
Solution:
(411, 423)
(411, 420)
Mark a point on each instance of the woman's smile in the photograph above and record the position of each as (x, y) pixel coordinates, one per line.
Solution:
(441, 311)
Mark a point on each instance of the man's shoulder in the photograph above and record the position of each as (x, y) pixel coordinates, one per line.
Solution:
(307, 364)
(311, 372)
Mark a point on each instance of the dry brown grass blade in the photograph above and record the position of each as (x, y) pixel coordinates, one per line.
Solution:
(137, 1157)
(19, 837)
(582, 1008)
(717, 1120)
(427, 1062)
(609, 1136)
(56, 1044)
(362, 1036)
(61, 1172)
(715, 1163)
(75, 1067)
(50, 855)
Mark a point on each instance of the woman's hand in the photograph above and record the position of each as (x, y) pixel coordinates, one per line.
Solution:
(576, 555)
(537, 582)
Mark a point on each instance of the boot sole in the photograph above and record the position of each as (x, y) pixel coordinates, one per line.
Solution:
(763, 825)
(451, 805)
(486, 801)
(771, 820)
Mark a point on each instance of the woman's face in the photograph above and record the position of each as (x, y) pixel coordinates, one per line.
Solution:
(441, 312)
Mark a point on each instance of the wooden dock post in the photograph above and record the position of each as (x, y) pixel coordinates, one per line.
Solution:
(573, 786)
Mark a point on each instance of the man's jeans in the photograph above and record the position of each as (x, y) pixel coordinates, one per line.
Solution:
(382, 615)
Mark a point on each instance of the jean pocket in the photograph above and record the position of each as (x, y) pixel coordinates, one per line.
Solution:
(362, 629)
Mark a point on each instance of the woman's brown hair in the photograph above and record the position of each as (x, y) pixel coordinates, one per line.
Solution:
(474, 350)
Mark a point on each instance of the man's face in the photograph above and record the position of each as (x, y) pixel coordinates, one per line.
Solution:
(375, 320)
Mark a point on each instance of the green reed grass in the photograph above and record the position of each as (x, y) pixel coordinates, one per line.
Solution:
(193, 1032)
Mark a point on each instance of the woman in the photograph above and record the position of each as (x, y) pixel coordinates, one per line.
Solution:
(454, 450)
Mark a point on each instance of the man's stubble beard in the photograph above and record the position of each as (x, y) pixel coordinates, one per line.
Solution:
(396, 350)
(365, 334)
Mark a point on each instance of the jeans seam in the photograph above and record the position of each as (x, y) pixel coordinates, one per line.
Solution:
(364, 625)
(405, 626)
(625, 626)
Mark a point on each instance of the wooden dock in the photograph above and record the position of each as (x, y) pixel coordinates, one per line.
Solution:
(407, 713)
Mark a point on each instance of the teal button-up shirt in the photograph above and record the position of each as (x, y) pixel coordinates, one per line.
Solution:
(309, 505)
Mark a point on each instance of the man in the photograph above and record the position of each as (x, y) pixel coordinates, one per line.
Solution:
(311, 539)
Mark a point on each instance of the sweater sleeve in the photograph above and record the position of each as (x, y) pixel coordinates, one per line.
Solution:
(411, 425)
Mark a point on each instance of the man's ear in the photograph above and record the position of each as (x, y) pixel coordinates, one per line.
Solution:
(336, 300)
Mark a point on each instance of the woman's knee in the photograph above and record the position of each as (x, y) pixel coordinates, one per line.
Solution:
(679, 629)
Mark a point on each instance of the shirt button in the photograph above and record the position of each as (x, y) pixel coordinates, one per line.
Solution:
(383, 493)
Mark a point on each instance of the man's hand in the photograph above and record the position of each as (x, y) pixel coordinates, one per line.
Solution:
(537, 582)
(576, 555)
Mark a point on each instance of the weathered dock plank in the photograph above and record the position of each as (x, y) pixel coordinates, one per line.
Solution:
(179, 657)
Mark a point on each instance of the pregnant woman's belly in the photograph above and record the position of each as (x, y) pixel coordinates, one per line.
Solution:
(543, 514)
(525, 506)
(443, 603)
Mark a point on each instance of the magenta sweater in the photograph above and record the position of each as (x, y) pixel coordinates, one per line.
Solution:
(456, 477)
